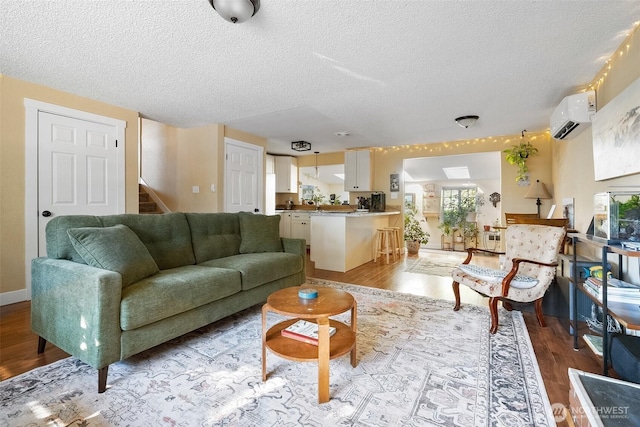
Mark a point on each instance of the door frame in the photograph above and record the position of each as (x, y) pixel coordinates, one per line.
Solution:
(260, 172)
(31, 215)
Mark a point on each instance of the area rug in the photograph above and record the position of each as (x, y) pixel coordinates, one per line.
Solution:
(432, 267)
(419, 364)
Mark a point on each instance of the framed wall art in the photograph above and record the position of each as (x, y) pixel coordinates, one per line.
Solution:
(616, 135)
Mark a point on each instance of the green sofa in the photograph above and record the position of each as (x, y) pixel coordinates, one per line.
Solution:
(113, 286)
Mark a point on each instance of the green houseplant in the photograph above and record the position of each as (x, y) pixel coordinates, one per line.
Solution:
(518, 155)
(414, 235)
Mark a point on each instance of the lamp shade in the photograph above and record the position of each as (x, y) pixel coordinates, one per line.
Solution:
(236, 11)
(537, 191)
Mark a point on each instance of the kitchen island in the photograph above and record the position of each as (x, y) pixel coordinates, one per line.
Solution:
(342, 241)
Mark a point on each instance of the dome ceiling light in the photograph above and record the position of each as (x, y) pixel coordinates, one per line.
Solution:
(466, 121)
(236, 11)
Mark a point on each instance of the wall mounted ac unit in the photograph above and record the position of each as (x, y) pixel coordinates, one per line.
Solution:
(573, 115)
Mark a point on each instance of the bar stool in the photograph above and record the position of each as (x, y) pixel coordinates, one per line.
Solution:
(399, 241)
(384, 244)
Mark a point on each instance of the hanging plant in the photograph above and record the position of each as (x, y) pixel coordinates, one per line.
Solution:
(518, 155)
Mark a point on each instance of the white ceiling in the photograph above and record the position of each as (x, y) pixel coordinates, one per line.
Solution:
(389, 72)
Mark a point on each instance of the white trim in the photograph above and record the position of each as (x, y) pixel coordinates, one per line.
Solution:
(13, 297)
(32, 109)
(260, 171)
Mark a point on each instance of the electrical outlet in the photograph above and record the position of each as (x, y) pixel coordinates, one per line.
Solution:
(195, 189)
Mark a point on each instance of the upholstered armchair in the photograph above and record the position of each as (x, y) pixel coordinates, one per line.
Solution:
(528, 270)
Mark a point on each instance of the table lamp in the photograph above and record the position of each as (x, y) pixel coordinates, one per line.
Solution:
(538, 191)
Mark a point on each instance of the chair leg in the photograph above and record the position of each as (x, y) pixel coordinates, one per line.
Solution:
(102, 379)
(538, 305)
(507, 305)
(456, 293)
(41, 344)
(493, 308)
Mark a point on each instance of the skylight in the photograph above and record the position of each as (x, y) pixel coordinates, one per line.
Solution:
(457, 173)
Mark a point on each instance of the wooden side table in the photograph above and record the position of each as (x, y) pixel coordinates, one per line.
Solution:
(330, 302)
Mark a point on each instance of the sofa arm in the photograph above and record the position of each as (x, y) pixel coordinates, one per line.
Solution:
(294, 246)
(76, 307)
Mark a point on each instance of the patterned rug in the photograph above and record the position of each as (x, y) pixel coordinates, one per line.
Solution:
(432, 267)
(419, 364)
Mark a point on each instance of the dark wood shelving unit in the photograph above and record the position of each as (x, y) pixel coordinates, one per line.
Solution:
(627, 314)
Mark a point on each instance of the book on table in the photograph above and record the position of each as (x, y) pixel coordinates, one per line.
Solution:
(304, 331)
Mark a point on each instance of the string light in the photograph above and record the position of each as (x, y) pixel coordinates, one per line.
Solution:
(455, 145)
(601, 76)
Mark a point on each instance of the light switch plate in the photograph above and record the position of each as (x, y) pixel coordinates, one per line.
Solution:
(195, 189)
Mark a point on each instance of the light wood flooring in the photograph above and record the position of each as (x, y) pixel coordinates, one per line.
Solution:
(553, 345)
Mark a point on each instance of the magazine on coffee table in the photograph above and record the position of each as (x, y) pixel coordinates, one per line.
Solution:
(304, 331)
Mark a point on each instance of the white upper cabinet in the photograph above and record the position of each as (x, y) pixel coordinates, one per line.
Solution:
(286, 168)
(270, 166)
(357, 170)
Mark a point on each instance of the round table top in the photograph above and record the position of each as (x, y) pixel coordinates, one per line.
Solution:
(330, 302)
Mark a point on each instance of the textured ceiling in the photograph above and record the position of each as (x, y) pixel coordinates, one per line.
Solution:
(389, 72)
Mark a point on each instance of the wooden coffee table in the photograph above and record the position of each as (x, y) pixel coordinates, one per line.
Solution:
(330, 302)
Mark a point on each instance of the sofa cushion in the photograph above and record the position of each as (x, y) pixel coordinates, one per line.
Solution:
(214, 235)
(166, 236)
(116, 249)
(174, 291)
(59, 245)
(260, 268)
(260, 233)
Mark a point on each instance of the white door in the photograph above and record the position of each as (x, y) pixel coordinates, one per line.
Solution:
(77, 169)
(243, 176)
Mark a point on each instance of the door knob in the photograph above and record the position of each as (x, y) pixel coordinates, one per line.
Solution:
(46, 214)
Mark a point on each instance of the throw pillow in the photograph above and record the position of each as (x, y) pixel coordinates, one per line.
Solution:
(115, 248)
(259, 233)
(520, 281)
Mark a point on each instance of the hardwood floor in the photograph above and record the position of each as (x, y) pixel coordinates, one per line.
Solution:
(553, 345)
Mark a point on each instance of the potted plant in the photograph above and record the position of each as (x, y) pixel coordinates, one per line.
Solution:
(518, 155)
(414, 235)
(448, 225)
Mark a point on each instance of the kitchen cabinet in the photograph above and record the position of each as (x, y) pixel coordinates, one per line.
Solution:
(301, 226)
(285, 224)
(358, 170)
(270, 164)
(286, 168)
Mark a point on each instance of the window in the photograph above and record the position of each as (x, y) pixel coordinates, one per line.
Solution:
(455, 198)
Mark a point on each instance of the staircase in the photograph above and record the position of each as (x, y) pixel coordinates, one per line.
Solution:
(146, 205)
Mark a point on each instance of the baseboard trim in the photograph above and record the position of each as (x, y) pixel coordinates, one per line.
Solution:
(13, 297)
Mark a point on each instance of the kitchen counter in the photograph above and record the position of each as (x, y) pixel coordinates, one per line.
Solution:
(341, 241)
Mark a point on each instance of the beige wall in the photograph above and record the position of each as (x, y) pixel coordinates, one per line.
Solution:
(573, 172)
(12, 167)
(174, 160)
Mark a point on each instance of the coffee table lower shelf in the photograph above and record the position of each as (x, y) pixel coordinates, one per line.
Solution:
(288, 348)
(340, 343)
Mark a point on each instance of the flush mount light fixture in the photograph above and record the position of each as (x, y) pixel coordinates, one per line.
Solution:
(466, 121)
(301, 145)
(236, 11)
